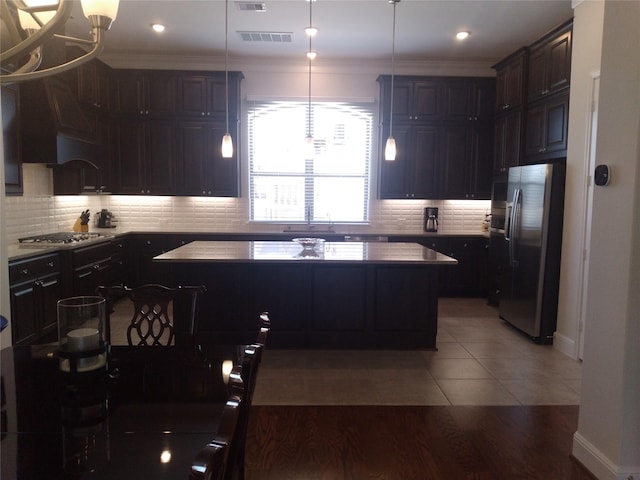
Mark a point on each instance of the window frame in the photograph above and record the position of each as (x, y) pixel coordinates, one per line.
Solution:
(308, 173)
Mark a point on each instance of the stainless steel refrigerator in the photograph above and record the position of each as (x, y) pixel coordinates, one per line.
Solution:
(532, 247)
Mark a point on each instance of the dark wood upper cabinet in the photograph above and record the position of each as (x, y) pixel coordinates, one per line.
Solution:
(465, 164)
(443, 127)
(547, 127)
(511, 76)
(146, 93)
(91, 82)
(201, 170)
(413, 173)
(507, 141)
(144, 159)
(415, 99)
(469, 100)
(11, 140)
(204, 95)
(550, 63)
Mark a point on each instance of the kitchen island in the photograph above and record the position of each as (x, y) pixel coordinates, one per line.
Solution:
(337, 295)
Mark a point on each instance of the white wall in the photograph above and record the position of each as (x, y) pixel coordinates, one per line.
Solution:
(608, 438)
(585, 66)
(38, 212)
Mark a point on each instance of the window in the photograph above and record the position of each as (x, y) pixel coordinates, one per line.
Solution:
(333, 187)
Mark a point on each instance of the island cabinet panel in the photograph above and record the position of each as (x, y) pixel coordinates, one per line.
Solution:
(418, 290)
(282, 291)
(315, 305)
(338, 306)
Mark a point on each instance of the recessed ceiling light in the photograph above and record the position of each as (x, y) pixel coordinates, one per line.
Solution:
(462, 35)
(311, 55)
(311, 31)
(157, 27)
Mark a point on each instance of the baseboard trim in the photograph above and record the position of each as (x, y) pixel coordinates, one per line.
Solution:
(565, 345)
(594, 461)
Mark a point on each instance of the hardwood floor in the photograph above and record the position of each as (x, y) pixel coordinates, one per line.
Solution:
(411, 442)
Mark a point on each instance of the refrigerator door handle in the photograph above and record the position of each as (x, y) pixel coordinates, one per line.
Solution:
(512, 219)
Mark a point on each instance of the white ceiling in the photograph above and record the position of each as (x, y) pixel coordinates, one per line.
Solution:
(359, 29)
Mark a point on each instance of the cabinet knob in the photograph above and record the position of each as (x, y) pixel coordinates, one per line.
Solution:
(202, 114)
(50, 264)
(24, 271)
(148, 242)
(96, 267)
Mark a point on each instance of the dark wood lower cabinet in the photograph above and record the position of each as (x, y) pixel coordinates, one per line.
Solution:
(470, 278)
(316, 305)
(35, 286)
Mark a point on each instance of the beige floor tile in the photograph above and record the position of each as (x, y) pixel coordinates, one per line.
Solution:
(456, 368)
(448, 350)
(477, 392)
(542, 392)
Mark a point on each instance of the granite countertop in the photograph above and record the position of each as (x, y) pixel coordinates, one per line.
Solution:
(277, 251)
(18, 251)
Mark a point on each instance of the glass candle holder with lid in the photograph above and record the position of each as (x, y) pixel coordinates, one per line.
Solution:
(82, 346)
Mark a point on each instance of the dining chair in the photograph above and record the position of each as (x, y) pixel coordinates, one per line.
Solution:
(250, 364)
(212, 462)
(153, 322)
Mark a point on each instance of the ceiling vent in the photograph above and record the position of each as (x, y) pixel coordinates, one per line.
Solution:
(251, 6)
(267, 37)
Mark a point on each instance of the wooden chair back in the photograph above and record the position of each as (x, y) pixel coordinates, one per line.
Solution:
(160, 313)
(213, 461)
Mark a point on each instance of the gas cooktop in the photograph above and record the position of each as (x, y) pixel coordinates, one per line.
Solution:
(60, 238)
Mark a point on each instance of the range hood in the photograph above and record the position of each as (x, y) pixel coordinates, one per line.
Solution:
(54, 129)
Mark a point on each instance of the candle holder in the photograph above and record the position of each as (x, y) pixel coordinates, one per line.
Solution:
(82, 348)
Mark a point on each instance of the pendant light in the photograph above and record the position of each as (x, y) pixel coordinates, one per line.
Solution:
(227, 141)
(309, 150)
(390, 147)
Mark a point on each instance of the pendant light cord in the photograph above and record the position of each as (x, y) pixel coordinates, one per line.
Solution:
(393, 54)
(310, 50)
(226, 59)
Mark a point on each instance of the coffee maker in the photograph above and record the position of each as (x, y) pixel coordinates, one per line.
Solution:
(105, 219)
(430, 219)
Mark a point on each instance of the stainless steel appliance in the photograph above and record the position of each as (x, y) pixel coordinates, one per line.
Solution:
(105, 219)
(61, 239)
(533, 241)
(430, 219)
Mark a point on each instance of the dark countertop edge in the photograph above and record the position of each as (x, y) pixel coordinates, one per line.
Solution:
(15, 252)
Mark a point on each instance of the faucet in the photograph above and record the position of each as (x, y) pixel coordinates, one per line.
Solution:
(308, 215)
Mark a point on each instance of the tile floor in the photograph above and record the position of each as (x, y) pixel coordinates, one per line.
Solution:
(480, 360)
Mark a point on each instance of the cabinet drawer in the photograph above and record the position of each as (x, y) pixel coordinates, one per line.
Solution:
(91, 254)
(32, 268)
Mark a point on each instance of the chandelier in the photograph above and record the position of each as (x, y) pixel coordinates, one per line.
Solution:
(28, 24)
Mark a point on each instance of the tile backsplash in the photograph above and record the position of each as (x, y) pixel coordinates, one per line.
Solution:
(38, 211)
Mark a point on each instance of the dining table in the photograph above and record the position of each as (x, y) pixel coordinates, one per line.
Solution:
(146, 414)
